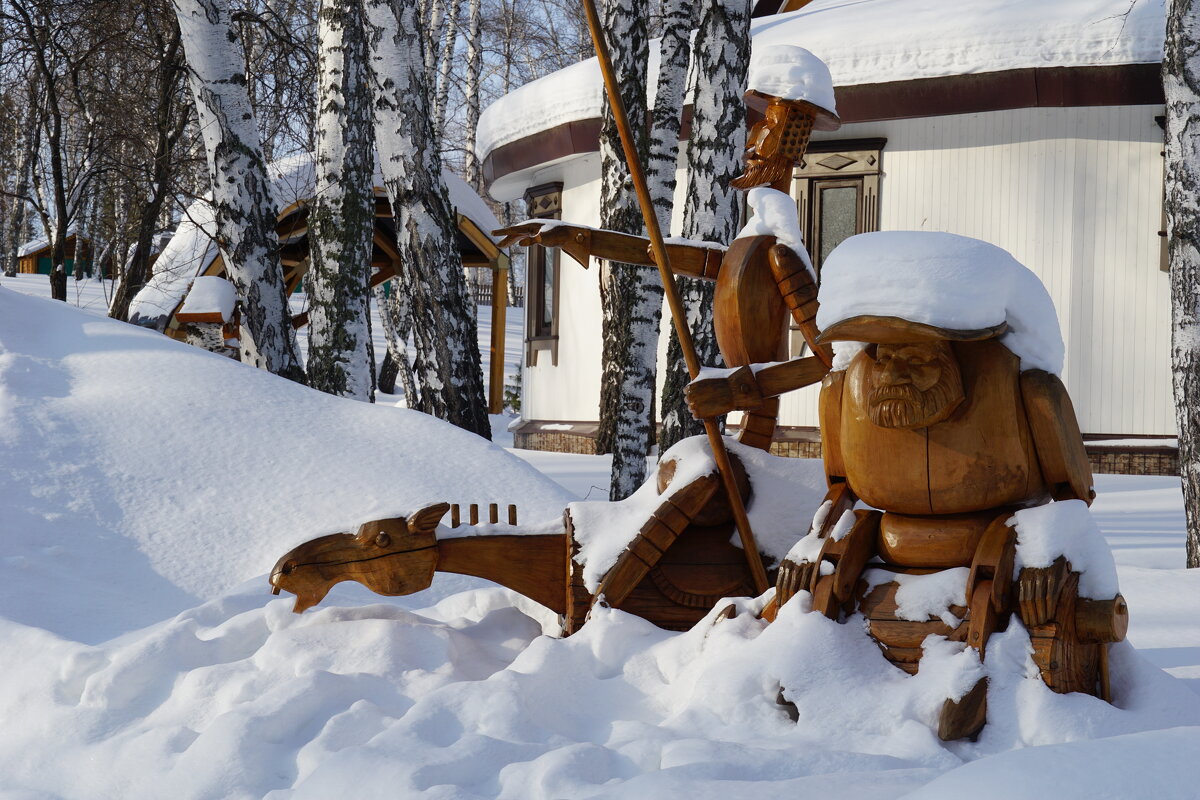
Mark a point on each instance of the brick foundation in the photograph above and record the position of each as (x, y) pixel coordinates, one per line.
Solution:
(796, 442)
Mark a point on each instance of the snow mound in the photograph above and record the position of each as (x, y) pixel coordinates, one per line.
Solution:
(143, 475)
(785, 494)
(241, 698)
(792, 73)
(945, 280)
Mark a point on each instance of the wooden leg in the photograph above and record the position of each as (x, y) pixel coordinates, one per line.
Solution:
(848, 556)
(966, 716)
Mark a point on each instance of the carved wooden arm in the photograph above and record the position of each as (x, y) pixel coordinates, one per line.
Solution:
(581, 242)
(745, 388)
(799, 291)
(1056, 436)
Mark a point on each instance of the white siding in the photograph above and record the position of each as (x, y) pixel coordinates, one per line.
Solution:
(1074, 194)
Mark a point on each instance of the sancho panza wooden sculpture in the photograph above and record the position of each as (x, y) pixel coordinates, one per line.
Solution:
(681, 561)
(945, 414)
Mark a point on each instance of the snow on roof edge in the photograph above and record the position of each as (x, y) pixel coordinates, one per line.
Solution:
(879, 41)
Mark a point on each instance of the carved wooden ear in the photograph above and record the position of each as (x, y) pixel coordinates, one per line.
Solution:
(427, 518)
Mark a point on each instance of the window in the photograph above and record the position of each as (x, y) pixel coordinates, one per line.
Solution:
(836, 188)
(542, 265)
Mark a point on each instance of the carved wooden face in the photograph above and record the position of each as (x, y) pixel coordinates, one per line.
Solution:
(775, 144)
(912, 385)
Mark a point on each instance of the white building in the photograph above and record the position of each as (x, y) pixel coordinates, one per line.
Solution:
(1032, 125)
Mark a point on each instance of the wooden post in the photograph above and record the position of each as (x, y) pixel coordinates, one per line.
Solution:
(499, 310)
(474, 514)
(678, 314)
(493, 513)
(455, 519)
(512, 514)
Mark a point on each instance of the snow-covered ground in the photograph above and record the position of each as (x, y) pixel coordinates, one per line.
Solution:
(149, 487)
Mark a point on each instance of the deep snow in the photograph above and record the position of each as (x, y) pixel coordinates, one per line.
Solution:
(150, 484)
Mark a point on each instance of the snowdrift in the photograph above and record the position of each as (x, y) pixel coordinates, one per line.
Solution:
(143, 476)
(146, 478)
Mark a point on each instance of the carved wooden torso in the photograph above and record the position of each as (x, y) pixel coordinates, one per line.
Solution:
(982, 457)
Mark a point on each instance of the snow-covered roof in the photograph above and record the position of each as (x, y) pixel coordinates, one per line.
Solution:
(881, 41)
(944, 280)
(192, 249)
(210, 294)
(40, 243)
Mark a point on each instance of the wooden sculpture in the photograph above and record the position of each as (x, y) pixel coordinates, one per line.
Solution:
(944, 434)
(670, 580)
(681, 562)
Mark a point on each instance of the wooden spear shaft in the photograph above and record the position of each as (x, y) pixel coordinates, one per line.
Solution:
(678, 316)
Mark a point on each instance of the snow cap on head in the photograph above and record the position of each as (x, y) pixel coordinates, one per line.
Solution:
(943, 281)
(791, 73)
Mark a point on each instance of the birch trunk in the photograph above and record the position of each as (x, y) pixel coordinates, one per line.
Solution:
(1181, 84)
(447, 365)
(17, 225)
(445, 68)
(245, 213)
(394, 318)
(342, 217)
(712, 208)
(471, 171)
(631, 297)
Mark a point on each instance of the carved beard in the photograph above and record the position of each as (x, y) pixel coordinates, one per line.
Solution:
(906, 406)
(763, 171)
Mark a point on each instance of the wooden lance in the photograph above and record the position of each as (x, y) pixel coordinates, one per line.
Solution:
(678, 317)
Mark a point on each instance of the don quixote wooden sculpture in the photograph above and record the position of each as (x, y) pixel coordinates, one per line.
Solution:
(954, 434)
(681, 560)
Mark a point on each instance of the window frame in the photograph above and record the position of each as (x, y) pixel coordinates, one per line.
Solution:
(860, 165)
(542, 202)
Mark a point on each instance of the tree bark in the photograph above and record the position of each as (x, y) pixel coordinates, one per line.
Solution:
(245, 212)
(447, 364)
(394, 317)
(712, 208)
(631, 297)
(1181, 84)
(17, 226)
(471, 172)
(445, 68)
(342, 216)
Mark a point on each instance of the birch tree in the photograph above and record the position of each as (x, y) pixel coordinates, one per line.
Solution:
(471, 171)
(342, 215)
(245, 213)
(631, 297)
(445, 67)
(665, 119)
(712, 208)
(446, 366)
(1181, 84)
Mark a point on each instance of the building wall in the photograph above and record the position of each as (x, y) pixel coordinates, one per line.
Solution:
(1075, 194)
